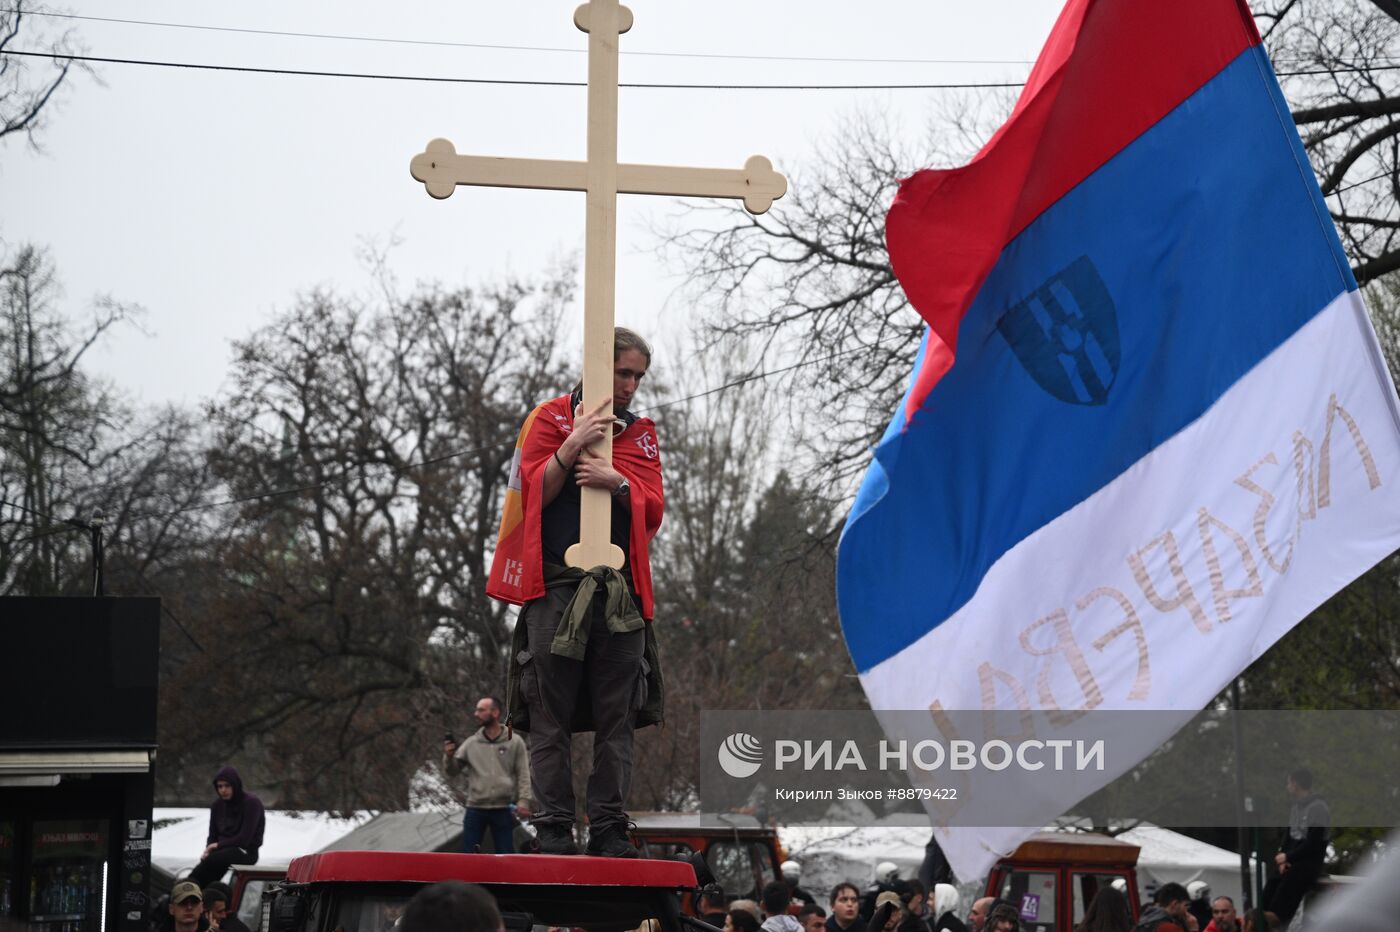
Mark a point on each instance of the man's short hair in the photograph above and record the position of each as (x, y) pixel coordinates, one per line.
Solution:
(1302, 776)
(1173, 892)
(743, 920)
(843, 885)
(216, 893)
(776, 897)
(1217, 899)
(809, 909)
(451, 906)
(713, 894)
(496, 704)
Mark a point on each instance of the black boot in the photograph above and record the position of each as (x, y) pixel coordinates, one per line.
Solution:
(555, 838)
(610, 841)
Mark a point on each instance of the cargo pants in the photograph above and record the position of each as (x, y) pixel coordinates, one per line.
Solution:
(610, 678)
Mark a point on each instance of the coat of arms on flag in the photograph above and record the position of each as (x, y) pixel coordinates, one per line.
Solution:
(1150, 428)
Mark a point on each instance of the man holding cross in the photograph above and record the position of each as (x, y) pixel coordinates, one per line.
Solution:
(590, 445)
(584, 656)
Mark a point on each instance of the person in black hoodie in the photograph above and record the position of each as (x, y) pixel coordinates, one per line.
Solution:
(236, 822)
(1304, 848)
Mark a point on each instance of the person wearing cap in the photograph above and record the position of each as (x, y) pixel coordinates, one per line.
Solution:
(898, 910)
(897, 913)
(186, 909)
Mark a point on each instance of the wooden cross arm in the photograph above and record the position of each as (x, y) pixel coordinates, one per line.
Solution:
(441, 169)
(756, 183)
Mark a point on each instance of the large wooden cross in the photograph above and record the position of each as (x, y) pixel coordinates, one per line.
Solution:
(441, 169)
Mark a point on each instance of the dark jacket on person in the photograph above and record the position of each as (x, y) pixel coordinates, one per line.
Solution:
(1200, 908)
(166, 923)
(236, 822)
(1157, 919)
(949, 922)
(857, 924)
(1308, 822)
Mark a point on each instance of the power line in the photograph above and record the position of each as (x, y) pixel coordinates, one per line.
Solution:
(247, 69)
(350, 470)
(440, 43)
(1357, 184)
(4, 502)
(754, 377)
(635, 85)
(528, 48)
(55, 525)
(49, 532)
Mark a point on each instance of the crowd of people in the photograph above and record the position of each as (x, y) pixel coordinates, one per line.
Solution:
(894, 905)
(195, 909)
(584, 658)
(496, 766)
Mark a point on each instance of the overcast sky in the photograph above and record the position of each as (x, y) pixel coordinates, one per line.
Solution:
(213, 198)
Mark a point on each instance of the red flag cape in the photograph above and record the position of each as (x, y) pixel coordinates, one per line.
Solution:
(517, 570)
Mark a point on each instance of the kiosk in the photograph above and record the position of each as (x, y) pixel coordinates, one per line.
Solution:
(77, 748)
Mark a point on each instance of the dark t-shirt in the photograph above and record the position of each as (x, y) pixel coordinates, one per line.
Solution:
(559, 529)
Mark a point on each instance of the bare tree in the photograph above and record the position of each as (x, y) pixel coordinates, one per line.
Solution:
(58, 427)
(816, 265)
(812, 280)
(347, 612)
(745, 567)
(1335, 63)
(29, 87)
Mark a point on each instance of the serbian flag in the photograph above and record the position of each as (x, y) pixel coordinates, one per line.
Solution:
(517, 567)
(1149, 428)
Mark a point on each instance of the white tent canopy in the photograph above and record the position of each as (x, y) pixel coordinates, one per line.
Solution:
(831, 855)
(1168, 855)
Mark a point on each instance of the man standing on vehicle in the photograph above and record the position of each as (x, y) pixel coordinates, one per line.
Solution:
(1304, 849)
(583, 657)
(498, 777)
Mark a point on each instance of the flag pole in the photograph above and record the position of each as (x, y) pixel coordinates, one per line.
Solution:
(1243, 804)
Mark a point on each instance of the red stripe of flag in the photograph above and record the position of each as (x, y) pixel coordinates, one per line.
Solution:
(1109, 71)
